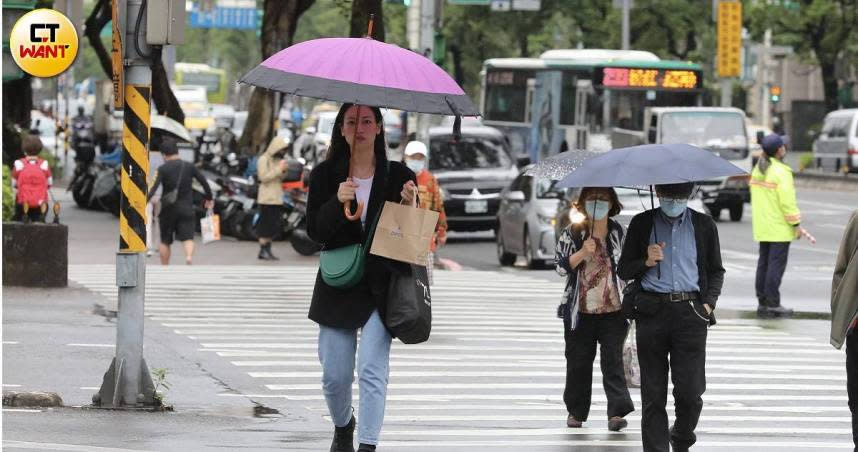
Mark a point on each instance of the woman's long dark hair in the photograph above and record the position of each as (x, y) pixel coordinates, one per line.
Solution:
(339, 148)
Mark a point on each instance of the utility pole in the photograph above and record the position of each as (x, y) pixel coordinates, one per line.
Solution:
(765, 104)
(127, 383)
(428, 13)
(627, 5)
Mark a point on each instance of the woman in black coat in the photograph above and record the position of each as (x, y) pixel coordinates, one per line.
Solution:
(360, 176)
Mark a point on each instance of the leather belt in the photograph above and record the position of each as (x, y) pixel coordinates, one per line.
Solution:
(674, 297)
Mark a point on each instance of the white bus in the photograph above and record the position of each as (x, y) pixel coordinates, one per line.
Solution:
(572, 99)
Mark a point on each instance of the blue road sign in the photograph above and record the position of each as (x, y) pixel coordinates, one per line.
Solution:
(236, 18)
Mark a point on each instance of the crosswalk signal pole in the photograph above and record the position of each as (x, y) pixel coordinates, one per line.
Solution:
(127, 383)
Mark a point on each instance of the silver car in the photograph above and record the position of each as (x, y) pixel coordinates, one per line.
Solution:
(526, 221)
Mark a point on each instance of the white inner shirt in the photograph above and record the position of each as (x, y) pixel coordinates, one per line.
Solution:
(362, 195)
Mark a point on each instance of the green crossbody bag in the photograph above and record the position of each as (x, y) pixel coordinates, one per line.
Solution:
(343, 267)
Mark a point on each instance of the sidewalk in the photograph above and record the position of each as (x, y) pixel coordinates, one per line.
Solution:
(53, 342)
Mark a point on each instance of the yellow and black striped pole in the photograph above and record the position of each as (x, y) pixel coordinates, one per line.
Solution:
(135, 169)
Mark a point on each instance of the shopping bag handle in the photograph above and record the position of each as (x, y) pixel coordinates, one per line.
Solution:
(413, 198)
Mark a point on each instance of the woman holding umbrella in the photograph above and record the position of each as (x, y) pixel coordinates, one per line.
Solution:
(587, 254)
(355, 170)
(363, 74)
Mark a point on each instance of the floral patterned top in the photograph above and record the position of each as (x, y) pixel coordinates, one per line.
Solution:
(570, 241)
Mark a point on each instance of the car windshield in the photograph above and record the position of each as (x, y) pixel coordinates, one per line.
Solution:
(719, 131)
(547, 189)
(469, 152)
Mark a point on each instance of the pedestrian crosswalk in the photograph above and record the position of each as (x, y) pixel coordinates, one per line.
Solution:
(492, 374)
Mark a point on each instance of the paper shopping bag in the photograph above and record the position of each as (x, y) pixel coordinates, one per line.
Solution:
(210, 227)
(404, 233)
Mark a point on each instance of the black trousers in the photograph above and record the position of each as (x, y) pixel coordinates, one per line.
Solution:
(609, 331)
(672, 338)
(770, 270)
(852, 382)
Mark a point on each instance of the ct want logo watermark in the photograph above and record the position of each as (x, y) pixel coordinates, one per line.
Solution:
(43, 43)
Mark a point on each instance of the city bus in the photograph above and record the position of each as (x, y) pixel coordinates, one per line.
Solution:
(203, 75)
(575, 99)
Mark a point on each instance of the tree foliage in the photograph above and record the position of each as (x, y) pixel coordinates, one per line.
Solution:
(821, 31)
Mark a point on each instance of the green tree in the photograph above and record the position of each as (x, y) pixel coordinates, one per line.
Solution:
(279, 23)
(823, 31)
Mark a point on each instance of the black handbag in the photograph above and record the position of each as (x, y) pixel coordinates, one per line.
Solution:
(630, 295)
(409, 305)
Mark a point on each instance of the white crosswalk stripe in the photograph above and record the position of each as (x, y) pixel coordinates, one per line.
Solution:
(493, 372)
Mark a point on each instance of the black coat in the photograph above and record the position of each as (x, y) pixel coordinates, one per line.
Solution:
(327, 224)
(709, 268)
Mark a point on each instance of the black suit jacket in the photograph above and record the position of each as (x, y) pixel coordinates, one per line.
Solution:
(327, 224)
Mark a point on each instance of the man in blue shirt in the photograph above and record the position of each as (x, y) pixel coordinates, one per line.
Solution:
(674, 253)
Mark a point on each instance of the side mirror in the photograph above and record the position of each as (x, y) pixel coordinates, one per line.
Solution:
(651, 136)
(521, 162)
(515, 196)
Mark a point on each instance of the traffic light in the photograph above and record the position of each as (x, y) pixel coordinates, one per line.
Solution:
(775, 92)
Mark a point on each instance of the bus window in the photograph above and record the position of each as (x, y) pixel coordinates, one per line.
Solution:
(506, 95)
(567, 102)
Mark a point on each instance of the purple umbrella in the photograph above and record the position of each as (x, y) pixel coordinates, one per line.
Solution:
(362, 71)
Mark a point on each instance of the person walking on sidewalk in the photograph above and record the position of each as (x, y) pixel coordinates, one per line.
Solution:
(177, 218)
(429, 194)
(356, 169)
(775, 218)
(675, 255)
(270, 168)
(587, 255)
(844, 313)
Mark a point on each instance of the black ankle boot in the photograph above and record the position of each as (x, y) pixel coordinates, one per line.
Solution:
(366, 448)
(271, 255)
(344, 438)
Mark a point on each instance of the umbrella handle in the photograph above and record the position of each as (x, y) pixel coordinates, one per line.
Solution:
(353, 216)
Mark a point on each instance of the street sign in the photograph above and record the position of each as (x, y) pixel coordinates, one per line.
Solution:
(501, 5)
(220, 17)
(527, 5)
(729, 38)
(116, 59)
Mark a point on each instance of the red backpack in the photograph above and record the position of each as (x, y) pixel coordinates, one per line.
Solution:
(32, 182)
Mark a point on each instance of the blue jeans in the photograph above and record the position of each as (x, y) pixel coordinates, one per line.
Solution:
(337, 348)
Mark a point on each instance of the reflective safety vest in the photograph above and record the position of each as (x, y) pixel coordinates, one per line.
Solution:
(775, 212)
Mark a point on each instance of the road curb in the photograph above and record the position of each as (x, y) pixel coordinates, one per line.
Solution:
(31, 399)
(752, 314)
(833, 181)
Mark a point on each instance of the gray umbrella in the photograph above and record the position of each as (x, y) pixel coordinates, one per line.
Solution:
(650, 164)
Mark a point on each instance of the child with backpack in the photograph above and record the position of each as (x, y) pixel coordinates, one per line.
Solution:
(31, 176)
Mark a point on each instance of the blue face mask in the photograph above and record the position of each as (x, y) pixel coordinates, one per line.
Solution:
(415, 165)
(673, 207)
(597, 209)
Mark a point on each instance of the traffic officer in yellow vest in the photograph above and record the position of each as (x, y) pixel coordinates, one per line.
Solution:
(776, 221)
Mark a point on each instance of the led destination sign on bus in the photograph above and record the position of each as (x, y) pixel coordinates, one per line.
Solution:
(621, 77)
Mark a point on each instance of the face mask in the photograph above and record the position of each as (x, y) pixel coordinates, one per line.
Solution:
(415, 165)
(673, 207)
(597, 209)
